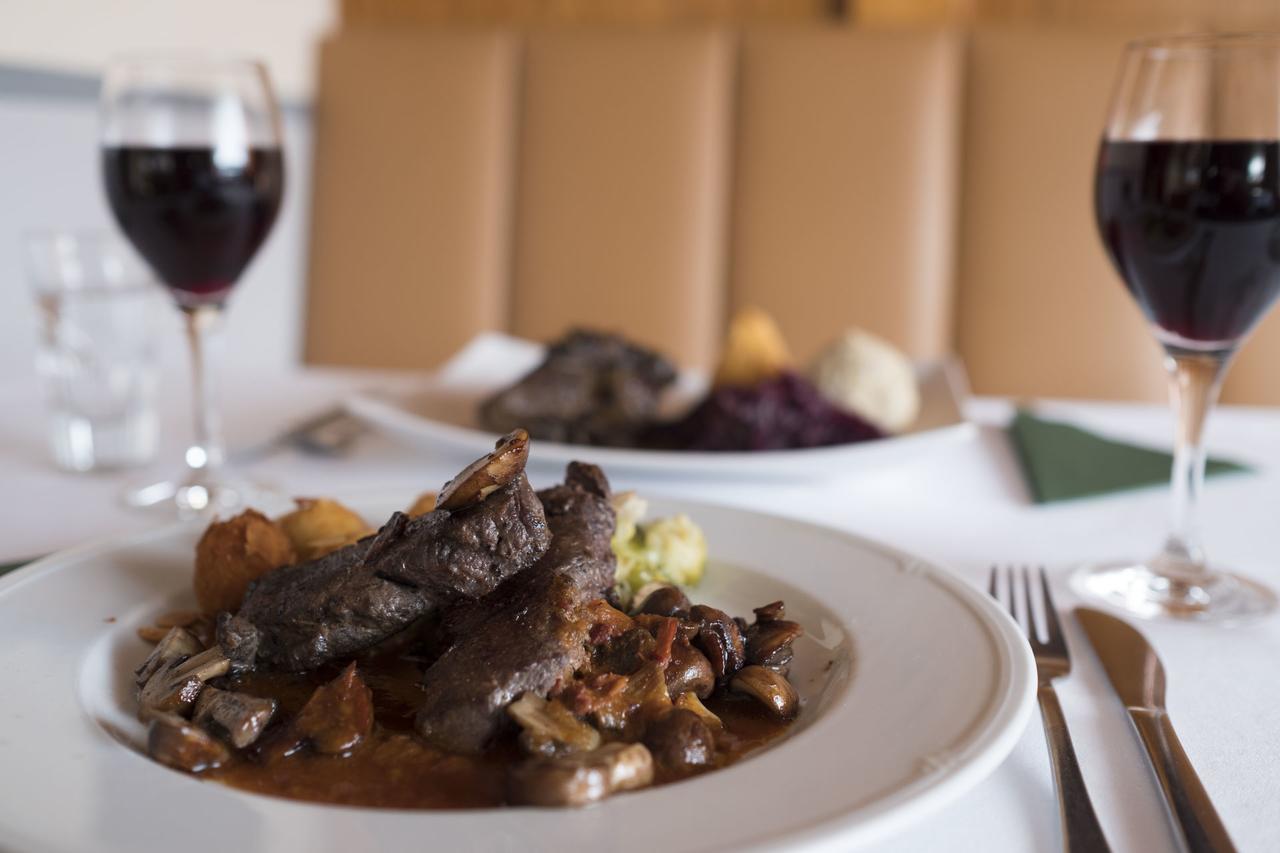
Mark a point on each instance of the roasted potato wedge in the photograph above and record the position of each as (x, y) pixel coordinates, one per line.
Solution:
(423, 505)
(234, 552)
(754, 350)
(321, 525)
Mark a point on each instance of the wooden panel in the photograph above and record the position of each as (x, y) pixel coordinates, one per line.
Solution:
(1041, 310)
(622, 192)
(409, 246)
(844, 202)
(540, 12)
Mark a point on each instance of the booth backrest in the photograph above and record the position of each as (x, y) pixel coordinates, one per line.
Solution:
(934, 187)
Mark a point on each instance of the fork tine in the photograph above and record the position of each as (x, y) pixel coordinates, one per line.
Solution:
(1052, 626)
(1033, 633)
(991, 583)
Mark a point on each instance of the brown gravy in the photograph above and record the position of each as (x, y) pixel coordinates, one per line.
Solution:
(393, 768)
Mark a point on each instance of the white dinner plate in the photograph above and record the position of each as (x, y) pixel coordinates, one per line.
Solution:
(440, 417)
(914, 687)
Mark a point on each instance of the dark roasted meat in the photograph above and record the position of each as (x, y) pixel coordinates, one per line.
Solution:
(466, 553)
(592, 388)
(302, 616)
(532, 631)
(305, 615)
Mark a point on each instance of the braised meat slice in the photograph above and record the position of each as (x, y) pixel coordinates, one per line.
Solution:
(466, 553)
(532, 631)
(311, 613)
(302, 616)
(592, 388)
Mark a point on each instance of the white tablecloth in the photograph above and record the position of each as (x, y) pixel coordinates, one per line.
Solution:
(964, 507)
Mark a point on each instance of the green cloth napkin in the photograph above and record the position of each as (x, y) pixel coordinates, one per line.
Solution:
(5, 568)
(1060, 461)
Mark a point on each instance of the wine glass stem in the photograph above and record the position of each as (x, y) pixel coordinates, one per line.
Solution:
(1194, 381)
(205, 454)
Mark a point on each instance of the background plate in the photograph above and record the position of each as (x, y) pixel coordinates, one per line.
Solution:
(439, 417)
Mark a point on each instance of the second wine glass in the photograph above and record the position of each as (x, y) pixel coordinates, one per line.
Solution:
(191, 156)
(1188, 206)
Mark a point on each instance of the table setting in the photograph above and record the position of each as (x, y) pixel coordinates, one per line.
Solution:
(524, 540)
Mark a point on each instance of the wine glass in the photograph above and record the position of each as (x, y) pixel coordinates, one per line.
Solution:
(1188, 204)
(194, 175)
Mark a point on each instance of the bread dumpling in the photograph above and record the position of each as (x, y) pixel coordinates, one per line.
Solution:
(870, 377)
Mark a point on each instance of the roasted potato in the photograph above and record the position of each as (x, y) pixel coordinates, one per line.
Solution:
(321, 525)
(754, 350)
(423, 505)
(234, 552)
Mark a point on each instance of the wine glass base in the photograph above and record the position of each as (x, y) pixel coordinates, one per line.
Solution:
(1137, 588)
(199, 498)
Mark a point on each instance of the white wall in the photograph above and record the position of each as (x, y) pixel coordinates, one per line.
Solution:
(81, 35)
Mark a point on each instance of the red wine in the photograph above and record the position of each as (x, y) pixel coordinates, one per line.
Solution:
(1194, 229)
(195, 215)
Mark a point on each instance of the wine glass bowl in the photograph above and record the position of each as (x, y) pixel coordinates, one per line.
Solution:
(194, 174)
(1187, 199)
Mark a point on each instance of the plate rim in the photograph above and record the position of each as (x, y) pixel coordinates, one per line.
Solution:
(1010, 706)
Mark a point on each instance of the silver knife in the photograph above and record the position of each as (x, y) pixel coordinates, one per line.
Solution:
(1138, 678)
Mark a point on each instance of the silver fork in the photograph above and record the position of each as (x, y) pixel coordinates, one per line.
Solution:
(1081, 832)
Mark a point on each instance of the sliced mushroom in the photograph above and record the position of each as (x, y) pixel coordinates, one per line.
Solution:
(769, 643)
(770, 688)
(681, 741)
(771, 612)
(689, 670)
(174, 687)
(581, 778)
(177, 644)
(720, 640)
(238, 638)
(690, 702)
(549, 728)
(487, 474)
(339, 715)
(662, 600)
(179, 744)
(237, 718)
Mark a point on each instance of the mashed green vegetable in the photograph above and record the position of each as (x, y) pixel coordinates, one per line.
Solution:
(664, 550)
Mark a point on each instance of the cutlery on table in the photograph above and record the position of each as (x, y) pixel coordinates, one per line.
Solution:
(330, 433)
(1137, 675)
(1081, 832)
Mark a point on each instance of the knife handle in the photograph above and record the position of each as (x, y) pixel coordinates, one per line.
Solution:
(1189, 805)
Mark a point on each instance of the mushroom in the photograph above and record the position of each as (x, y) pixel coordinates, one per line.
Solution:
(681, 741)
(769, 643)
(771, 612)
(690, 702)
(487, 474)
(237, 718)
(549, 728)
(580, 778)
(173, 688)
(720, 640)
(177, 743)
(689, 670)
(662, 600)
(178, 644)
(770, 688)
(338, 715)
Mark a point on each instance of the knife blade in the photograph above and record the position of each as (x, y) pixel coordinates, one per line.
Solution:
(1137, 676)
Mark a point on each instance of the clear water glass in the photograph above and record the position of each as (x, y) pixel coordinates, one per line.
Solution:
(97, 308)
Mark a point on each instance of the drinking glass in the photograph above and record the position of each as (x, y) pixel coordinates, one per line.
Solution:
(194, 175)
(96, 305)
(1187, 198)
